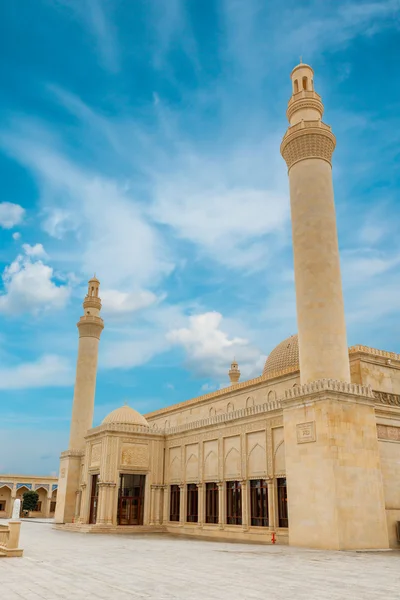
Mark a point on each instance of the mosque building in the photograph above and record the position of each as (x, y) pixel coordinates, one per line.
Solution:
(308, 452)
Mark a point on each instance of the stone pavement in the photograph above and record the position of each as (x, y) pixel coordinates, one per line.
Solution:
(59, 565)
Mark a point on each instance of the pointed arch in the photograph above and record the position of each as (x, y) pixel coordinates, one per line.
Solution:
(279, 458)
(232, 462)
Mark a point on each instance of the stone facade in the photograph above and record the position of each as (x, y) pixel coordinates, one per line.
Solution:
(308, 453)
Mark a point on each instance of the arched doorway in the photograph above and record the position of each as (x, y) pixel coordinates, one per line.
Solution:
(5, 501)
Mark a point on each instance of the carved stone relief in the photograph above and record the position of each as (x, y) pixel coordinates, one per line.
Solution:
(95, 455)
(389, 433)
(136, 455)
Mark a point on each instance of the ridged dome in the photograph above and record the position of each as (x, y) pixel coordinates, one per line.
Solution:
(125, 415)
(284, 356)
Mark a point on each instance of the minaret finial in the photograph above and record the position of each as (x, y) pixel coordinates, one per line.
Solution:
(301, 60)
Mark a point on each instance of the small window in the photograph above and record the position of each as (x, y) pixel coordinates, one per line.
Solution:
(233, 503)
(2, 505)
(259, 502)
(296, 86)
(212, 503)
(52, 507)
(305, 83)
(175, 501)
(282, 503)
(192, 511)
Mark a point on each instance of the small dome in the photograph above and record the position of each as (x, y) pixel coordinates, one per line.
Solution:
(284, 356)
(125, 415)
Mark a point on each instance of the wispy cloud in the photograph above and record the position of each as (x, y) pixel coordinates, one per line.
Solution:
(47, 371)
(96, 16)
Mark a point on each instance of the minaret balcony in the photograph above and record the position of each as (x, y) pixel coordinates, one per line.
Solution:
(304, 100)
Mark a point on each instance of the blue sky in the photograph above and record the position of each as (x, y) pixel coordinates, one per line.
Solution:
(140, 140)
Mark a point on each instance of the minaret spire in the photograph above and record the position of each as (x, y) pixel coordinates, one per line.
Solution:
(307, 148)
(90, 326)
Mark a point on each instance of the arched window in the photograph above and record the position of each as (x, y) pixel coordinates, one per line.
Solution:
(296, 86)
(230, 407)
(211, 412)
(249, 402)
(305, 83)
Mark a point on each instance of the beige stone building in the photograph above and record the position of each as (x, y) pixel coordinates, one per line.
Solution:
(309, 452)
(14, 486)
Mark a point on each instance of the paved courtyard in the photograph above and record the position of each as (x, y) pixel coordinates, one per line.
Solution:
(59, 565)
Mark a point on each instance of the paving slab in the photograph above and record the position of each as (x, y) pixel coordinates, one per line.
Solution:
(60, 565)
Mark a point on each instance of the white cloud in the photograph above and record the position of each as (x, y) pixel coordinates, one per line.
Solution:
(115, 236)
(210, 350)
(35, 251)
(29, 285)
(10, 215)
(116, 302)
(230, 225)
(47, 371)
(16, 235)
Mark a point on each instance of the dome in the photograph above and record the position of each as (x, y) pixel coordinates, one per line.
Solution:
(125, 415)
(284, 356)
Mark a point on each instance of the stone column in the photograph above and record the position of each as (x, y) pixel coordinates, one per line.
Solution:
(102, 504)
(77, 505)
(307, 148)
(221, 504)
(272, 517)
(85, 499)
(245, 505)
(152, 503)
(165, 513)
(110, 503)
(200, 492)
(182, 507)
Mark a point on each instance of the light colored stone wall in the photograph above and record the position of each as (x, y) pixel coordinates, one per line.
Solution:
(380, 377)
(335, 491)
(389, 449)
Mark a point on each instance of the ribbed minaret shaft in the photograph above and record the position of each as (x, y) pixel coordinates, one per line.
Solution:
(307, 148)
(90, 327)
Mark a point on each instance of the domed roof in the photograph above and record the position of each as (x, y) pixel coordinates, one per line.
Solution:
(284, 356)
(125, 415)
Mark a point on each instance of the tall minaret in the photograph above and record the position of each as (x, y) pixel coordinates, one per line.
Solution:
(90, 327)
(332, 460)
(307, 148)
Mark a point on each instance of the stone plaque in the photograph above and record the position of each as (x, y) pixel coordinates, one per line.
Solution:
(306, 432)
(389, 433)
(135, 455)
